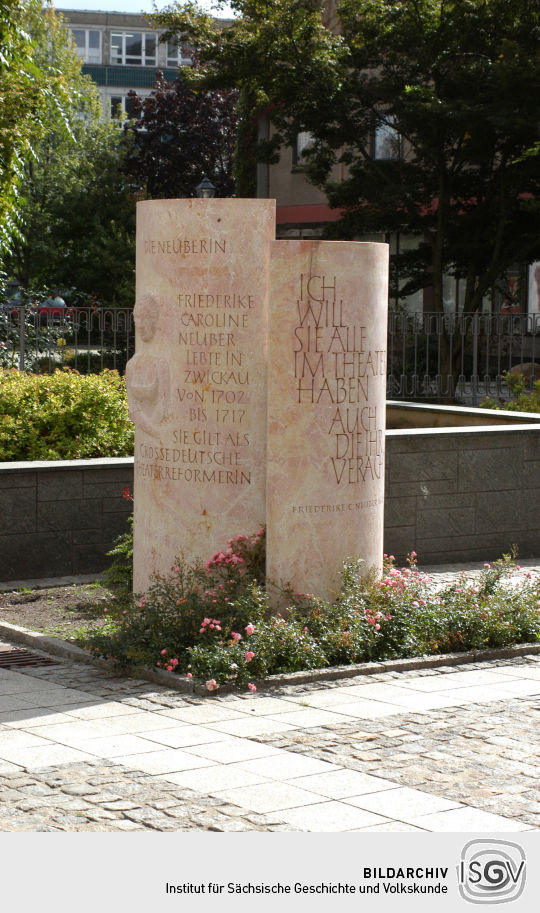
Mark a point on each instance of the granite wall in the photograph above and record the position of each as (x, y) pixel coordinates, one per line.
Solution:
(458, 494)
(61, 518)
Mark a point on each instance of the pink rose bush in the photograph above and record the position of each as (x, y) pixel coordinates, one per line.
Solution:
(213, 623)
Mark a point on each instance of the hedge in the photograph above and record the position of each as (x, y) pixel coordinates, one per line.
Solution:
(63, 416)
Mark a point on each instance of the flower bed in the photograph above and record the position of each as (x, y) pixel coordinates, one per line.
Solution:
(213, 622)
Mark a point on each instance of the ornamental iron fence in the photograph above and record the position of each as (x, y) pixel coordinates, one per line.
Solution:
(430, 356)
(88, 339)
(463, 357)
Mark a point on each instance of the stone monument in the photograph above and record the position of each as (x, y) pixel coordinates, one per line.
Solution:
(326, 410)
(257, 390)
(197, 382)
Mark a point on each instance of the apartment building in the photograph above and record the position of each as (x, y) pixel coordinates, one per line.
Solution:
(121, 52)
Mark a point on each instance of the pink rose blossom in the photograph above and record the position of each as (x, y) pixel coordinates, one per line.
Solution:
(252, 687)
(235, 636)
(189, 675)
(212, 685)
(163, 652)
(249, 629)
(248, 656)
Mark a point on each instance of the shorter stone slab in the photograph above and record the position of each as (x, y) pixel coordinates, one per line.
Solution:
(468, 820)
(340, 784)
(251, 726)
(403, 803)
(234, 749)
(329, 817)
(219, 778)
(287, 765)
(44, 756)
(116, 746)
(269, 797)
(170, 760)
(186, 736)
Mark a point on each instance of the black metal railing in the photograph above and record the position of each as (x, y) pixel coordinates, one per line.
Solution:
(466, 357)
(87, 339)
(430, 356)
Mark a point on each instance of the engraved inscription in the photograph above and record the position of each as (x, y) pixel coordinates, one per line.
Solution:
(201, 246)
(212, 398)
(334, 365)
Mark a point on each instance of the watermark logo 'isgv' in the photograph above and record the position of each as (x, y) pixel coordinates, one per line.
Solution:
(491, 871)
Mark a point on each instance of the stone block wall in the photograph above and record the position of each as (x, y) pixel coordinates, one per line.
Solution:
(458, 494)
(61, 518)
(452, 495)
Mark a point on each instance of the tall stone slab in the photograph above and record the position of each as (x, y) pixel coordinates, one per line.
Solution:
(326, 410)
(197, 381)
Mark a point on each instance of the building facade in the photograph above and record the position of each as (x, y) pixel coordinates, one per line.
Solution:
(121, 52)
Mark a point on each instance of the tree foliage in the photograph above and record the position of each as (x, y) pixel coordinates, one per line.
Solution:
(76, 206)
(459, 80)
(180, 136)
(24, 92)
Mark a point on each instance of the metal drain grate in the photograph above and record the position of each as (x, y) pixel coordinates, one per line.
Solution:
(10, 658)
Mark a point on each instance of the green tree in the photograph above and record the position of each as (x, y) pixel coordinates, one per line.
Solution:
(458, 81)
(180, 136)
(76, 205)
(24, 92)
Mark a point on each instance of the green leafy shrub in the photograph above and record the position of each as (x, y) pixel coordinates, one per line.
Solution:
(119, 576)
(213, 622)
(523, 400)
(63, 416)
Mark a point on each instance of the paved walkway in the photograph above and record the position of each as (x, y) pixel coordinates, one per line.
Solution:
(446, 749)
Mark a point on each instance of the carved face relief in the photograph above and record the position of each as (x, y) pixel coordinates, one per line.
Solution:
(145, 315)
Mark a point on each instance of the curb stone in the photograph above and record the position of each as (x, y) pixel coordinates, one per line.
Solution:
(53, 646)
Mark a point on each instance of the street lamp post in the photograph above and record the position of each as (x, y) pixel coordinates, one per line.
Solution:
(205, 189)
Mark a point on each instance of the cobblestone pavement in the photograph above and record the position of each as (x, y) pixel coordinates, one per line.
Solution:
(439, 749)
(452, 748)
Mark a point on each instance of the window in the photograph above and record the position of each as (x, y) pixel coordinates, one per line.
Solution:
(387, 142)
(304, 140)
(87, 44)
(120, 105)
(178, 55)
(133, 48)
